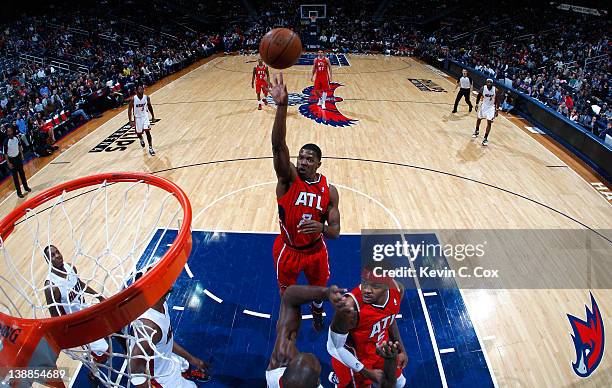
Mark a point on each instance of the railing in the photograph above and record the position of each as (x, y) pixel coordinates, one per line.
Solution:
(68, 66)
(27, 58)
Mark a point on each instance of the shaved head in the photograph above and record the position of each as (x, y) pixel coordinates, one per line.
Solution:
(302, 372)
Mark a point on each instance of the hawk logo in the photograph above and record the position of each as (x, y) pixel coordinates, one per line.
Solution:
(308, 106)
(588, 340)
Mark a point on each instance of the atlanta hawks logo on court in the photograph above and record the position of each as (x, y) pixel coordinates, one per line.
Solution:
(589, 340)
(328, 116)
(308, 106)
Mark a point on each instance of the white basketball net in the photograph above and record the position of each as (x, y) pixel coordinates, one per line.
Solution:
(103, 232)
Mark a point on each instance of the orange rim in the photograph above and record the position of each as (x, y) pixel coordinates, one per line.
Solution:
(115, 312)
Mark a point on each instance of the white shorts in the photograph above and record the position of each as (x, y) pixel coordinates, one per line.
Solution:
(486, 112)
(175, 379)
(142, 123)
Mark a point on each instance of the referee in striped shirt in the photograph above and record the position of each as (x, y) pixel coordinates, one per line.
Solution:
(465, 89)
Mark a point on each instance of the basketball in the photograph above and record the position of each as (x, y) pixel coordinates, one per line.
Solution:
(280, 48)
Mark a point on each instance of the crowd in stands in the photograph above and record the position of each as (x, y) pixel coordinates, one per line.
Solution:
(43, 101)
(550, 58)
(561, 59)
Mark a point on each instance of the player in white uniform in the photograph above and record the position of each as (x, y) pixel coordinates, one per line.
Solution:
(288, 368)
(488, 109)
(64, 292)
(169, 363)
(139, 105)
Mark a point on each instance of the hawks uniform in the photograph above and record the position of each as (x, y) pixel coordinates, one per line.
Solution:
(261, 76)
(295, 252)
(372, 329)
(321, 75)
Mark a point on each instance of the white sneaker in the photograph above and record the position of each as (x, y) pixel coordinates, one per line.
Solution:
(485, 142)
(151, 151)
(475, 135)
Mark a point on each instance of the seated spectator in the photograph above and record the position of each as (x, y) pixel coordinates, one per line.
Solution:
(507, 105)
(574, 115)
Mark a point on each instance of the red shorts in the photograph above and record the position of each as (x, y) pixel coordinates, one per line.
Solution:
(289, 262)
(346, 376)
(261, 84)
(321, 83)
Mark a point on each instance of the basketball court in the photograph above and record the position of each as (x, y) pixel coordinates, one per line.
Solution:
(400, 161)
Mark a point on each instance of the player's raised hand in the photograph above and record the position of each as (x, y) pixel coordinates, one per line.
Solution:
(278, 91)
(388, 350)
(335, 294)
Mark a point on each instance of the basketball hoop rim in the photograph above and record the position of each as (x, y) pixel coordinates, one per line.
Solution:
(115, 312)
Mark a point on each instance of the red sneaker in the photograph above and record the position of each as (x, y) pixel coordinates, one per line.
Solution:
(265, 101)
(259, 107)
(195, 374)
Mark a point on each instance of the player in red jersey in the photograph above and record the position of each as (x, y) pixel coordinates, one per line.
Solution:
(322, 76)
(262, 76)
(307, 209)
(354, 335)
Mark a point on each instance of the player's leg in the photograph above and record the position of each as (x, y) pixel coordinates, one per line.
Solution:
(317, 274)
(264, 89)
(324, 93)
(318, 88)
(286, 264)
(258, 91)
(485, 141)
(139, 123)
(478, 120)
(149, 141)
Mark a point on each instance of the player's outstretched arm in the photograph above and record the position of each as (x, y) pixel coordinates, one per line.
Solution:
(53, 296)
(388, 351)
(285, 171)
(345, 319)
(290, 317)
(191, 359)
(394, 333)
(142, 352)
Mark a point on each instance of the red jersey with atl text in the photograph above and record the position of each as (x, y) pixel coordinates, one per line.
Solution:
(260, 73)
(374, 322)
(304, 201)
(321, 71)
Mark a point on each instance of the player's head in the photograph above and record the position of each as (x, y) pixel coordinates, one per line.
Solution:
(320, 53)
(302, 372)
(53, 255)
(373, 286)
(489, 82)
(139, 88)
(308, 160)
(464, 72)
(260, 61)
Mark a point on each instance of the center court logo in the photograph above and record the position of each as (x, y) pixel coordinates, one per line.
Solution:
(119, 140)
(308, 106)
(589, 340)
